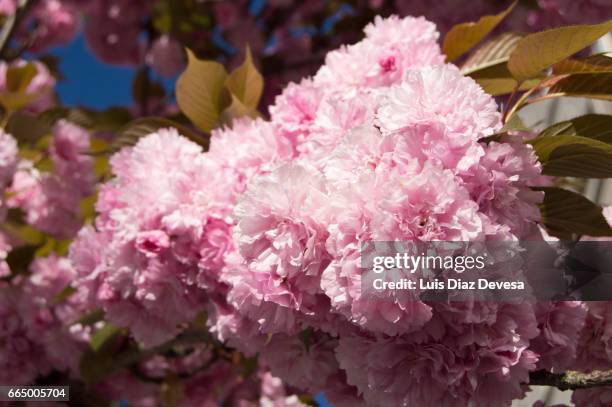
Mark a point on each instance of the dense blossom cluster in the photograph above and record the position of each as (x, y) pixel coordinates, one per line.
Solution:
(51, 200)
(9, 160)
(37, 335)
(259, 237)
(264, 231)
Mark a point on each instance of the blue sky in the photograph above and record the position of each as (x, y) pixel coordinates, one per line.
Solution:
(91, 83)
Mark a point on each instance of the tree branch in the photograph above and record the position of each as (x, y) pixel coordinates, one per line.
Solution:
(571, 380)
(12, 23)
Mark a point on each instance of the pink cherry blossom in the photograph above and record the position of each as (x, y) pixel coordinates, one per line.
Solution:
(282, 244)
(21, 358)
(38, 95)
(8, 158)
(160, 237)
(560, 325)
(51, 200)
(166, 57)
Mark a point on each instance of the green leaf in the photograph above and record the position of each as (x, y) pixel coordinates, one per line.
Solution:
(111, 119)
(464, 36)
(592, 85)
(95, 366)
(574, 156)
(595, 126)
(26, 128)
(135, 130)
(501, 86)
(201, 92)
(19, 231)
(103, 336)
(245, 82)
(90, 318)
(493, 52)
(59, 247)
(18, 79)
(56, 113)
(99, 358)
(565, 213)
(592, 64)
(514, 123)
(537, 51)
(236, 110)
(63, 295)
(489, 68)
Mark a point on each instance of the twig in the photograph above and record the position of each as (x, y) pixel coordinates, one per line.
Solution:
(571, 380)
(505, 116)
(12, 23)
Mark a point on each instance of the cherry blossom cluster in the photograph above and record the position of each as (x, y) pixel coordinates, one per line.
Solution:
(38, 335)
(263, 232)
(51, 200)
(260, 236)
(9, 160)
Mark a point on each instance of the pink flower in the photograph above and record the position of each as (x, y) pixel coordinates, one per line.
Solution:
(430, 206)
(8, 158)
(226, 14)
(595, 397)
(264, 233)
(504, 173)
(295, 109)
(113, 30)
(7, 7)
(160, 238)
(392, 47)
(305, 361)
(5, 248)
(57, 23)
(282, 244)
(21, 358)
(594, 349)
(38, 95)
(50, 323)
(51, 201)
(274, 393)
(560, 325)
(71, 162)
(255, 149)
(151, 243)
(453, 364)
(440, 94)
(115, 43)
(166, 57)
(336, 116)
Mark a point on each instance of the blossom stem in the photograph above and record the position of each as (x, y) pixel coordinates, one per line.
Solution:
(571, 380)
(12, 23)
